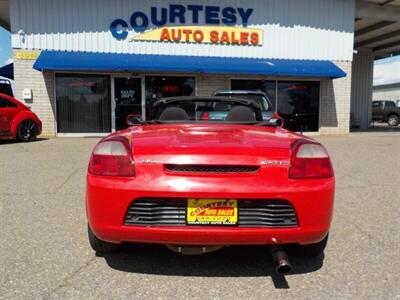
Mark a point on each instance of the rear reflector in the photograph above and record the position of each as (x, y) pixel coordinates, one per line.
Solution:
(310, 161)
(204, 116)
(112, 158)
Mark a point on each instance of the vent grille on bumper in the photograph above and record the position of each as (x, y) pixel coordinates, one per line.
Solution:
(172, 212)
(211, 168)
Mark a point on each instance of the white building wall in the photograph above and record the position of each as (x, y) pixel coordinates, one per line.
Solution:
(292, 29)
(389, 92)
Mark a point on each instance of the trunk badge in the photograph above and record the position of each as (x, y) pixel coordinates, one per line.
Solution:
(148, 161)
(274, 162)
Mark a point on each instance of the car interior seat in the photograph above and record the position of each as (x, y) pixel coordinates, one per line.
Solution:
(174, 113)
(220, 106)
(240, 113)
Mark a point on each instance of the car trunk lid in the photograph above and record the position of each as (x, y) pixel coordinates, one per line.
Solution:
(210, 144)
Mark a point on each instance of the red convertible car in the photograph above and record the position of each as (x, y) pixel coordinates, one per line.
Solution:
(17, 120)
(197, 185)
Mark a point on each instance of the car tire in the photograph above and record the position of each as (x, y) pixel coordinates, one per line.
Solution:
(101, 246)
(27, 131)
(393, 120)
(313, 250)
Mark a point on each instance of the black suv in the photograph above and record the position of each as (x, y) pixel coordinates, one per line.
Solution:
(386, 111)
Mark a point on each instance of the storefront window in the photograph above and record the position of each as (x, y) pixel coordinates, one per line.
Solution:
(83, 103)
(158, 87)
(267, 86)
(297, 101)
(298, 104)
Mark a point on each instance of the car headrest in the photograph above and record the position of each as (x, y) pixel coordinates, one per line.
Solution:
(220, 106)
(174, 114)
(240, 113)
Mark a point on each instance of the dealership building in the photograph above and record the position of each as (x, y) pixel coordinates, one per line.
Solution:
(82, 66)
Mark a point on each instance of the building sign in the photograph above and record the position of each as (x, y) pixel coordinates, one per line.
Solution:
(223, 35)
(127, 94)
(221, 25)
(27, 55)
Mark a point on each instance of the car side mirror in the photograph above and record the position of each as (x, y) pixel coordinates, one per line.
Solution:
(133, 119)
(277, 120)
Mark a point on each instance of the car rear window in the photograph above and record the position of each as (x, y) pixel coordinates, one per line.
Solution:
(5, 88)
(260, 99)
(206, 111)
(390, 104)
(5, 103)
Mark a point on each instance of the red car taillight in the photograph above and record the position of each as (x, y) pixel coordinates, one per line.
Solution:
(112, 158)
(309, 161)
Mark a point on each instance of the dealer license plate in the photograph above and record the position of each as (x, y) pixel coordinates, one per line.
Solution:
(212, 212)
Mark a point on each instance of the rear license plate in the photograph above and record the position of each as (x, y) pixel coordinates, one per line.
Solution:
(212, 212)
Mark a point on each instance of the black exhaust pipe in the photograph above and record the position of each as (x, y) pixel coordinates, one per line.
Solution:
(281, 260)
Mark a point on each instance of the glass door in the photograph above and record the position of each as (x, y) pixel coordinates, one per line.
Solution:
(128, 99)
(298, 104)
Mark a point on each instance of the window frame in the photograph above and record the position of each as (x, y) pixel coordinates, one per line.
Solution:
(379, 104)
(13, 105)
(392, 104)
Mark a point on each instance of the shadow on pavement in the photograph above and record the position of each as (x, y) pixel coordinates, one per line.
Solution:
(380, 130)
(235, 261)
(378, 127)
(14, 141)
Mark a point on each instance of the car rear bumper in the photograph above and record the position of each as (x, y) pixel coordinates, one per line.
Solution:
(190, 235)
(107, 202)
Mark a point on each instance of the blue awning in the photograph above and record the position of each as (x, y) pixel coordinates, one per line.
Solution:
(87, 61)
(7, 71)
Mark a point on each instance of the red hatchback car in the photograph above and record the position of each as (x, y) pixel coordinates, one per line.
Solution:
(17, 120)
(197, 185)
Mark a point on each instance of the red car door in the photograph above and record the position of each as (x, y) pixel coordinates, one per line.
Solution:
(8, 110)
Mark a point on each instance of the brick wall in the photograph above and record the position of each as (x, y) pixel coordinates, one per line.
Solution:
(207, 84)
(335, 102)
(42, 85)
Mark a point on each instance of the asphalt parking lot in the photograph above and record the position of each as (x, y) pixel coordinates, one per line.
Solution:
(44, 250)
